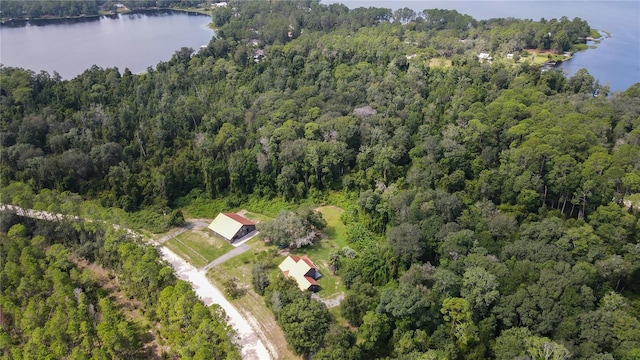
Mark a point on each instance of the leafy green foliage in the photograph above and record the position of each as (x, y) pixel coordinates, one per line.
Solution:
(292, 229)
(45, 9)
(232, 289)
(492, 206)
(303, 320)
(304, 323)
(360, 298)
(259, 278)
(52, 308)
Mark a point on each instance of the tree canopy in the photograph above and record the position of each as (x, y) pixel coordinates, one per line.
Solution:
(491, 209)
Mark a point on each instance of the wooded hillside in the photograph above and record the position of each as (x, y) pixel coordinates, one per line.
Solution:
(492, 207)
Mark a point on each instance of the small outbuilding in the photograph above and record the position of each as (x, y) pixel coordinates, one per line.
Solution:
(232, 226)
(482, 57)
(302, 270)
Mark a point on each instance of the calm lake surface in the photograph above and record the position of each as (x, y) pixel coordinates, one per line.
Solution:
(135, 41)
(615, 61)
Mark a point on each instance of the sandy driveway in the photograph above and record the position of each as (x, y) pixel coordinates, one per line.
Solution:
(251, 345)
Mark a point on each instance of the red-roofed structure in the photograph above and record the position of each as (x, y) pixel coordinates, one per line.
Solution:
(231, 226)
(239, 218)
(302, 270)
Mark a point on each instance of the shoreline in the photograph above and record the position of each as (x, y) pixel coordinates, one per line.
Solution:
(55, 19)
(556, 60)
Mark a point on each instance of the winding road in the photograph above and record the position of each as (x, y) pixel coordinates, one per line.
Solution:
(251, 345)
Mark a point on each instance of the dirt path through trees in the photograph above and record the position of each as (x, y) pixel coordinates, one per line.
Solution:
(252, 347)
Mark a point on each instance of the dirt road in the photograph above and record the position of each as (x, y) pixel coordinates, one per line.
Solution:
(251, 346)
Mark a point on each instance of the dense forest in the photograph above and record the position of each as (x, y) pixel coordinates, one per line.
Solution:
(492, 206)
(53, 308)
(42, 9)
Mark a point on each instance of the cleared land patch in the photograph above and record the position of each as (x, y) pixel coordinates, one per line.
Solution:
(320, 253)
(252, 305)
(198, 247)
(542, 56)
(439, 62)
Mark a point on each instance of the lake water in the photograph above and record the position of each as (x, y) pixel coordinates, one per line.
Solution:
(615, 61)
(135, 41)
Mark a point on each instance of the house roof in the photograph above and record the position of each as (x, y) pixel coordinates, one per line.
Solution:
(228, 224)
(297, 268)
(239, 218)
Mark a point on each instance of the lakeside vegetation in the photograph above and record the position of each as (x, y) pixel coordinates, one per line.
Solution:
(473, 210)
(19, 10)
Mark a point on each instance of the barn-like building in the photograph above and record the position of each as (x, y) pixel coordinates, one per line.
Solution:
(231, 226)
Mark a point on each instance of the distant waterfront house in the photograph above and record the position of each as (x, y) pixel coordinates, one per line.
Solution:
(258, 55)
(302, 270)
(484, 57)
(231, 226)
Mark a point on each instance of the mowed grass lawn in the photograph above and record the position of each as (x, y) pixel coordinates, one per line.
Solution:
(251, 304)
(440, 62)
(198, 247)
(255, 217)
(321, 251)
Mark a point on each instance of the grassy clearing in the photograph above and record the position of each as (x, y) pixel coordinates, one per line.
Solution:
(439, 62)
(253, 308)
(205, 244)
(335, 229)
(321, 252)
(240, 266)
(197, 10)
(256, 217)
(198, 247)
(542, 56)
(186, 252)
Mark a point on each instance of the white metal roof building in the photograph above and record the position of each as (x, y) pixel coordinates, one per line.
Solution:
(231, 226)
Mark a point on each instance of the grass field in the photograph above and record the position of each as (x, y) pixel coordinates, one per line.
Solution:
(440, 62)
(255, 217)
(320, 252)
(542, 56)
(335, 229)
(253, 307)
(240, 266)
(198, 247)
